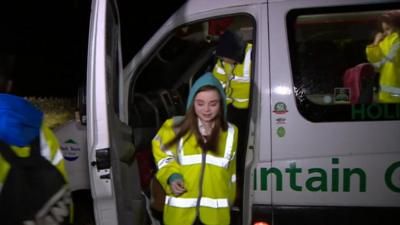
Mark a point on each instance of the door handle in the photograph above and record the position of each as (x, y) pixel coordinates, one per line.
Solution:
(103, 160)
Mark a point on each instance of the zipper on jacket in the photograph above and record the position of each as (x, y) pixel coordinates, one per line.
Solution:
(203, 167)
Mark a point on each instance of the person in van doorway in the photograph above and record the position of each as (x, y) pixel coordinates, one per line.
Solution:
(196, 158)
(384, 54)
(233, 68)
(21, 124)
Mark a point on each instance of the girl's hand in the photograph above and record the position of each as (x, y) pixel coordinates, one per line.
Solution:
(177, 187)
(378, 38)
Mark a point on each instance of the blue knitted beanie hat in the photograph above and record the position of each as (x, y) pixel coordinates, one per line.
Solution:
(207, 79)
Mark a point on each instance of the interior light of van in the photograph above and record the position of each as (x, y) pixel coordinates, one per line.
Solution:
(282, 90)
(261, 223)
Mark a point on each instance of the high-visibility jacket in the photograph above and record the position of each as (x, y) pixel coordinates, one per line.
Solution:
(210, 179)
(50, 149)
(236, 81)
(386, 59)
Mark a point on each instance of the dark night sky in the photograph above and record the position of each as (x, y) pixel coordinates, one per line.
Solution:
(139, 24)
(49, 39)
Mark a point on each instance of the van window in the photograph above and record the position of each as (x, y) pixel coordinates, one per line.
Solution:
(333, 76)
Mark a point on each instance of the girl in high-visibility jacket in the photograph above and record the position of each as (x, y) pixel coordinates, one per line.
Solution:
(384, 54)
(196, 158)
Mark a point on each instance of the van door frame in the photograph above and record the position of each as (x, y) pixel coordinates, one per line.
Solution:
(116, 199)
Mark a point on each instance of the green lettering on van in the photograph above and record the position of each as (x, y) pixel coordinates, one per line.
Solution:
(318, 178)
(264, 177)
(293, 171)
(387, 113)
(358, 113)
(375, 111)
(321, 179)
(347, 181)
(335, 176)
(389, 175)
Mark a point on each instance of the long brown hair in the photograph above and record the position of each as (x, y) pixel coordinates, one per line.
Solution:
(190, 125)
(392, 19)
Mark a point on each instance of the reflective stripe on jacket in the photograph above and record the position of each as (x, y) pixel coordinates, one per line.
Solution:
(50, 149)
(211, 199)
(237, 82)
(386, 59)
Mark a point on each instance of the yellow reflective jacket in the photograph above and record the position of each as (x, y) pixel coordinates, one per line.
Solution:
(210, 179)
(386, 59)
(237, 82)
(50, 150)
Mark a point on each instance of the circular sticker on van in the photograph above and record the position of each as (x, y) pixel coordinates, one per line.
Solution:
(280, 108)
(281, 132)
(70, 150)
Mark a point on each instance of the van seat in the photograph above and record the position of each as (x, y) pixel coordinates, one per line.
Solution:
(150, 110)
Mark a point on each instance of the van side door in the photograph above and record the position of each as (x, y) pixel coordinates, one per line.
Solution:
(113, 173)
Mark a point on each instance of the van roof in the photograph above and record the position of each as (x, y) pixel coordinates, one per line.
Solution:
(196, 6)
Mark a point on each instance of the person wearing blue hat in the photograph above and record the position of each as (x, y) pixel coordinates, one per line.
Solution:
(24, 143)
(196, 158)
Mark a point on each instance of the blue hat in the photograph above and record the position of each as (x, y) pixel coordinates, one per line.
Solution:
(20, 121)
(207, 79)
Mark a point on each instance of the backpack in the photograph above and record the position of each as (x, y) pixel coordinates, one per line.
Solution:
(34, 191)
(360, 80)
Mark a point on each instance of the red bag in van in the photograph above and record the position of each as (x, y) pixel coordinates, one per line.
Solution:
(359, 79)
(147, 167)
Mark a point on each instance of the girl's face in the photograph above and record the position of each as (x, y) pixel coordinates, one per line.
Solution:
(207, 105)
(387, 28)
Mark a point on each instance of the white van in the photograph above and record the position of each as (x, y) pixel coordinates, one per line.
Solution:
(319, 151)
